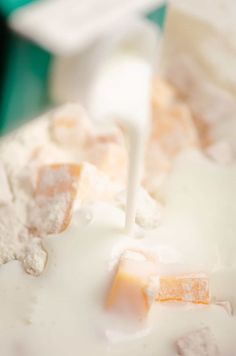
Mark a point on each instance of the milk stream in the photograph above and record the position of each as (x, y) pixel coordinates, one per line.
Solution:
(135, 168)
(122, 93)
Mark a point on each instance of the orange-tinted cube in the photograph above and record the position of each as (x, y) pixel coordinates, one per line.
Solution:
(190, 288)
(135, 284)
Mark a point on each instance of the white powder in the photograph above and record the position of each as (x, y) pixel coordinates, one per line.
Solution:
(34, 258)
(21, 155)
(17, 243)
(47, 215)
(10, 229)
(149, 211)
(199, 343)
(5, 192)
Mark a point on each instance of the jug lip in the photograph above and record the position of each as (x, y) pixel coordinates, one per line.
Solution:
(66, 38)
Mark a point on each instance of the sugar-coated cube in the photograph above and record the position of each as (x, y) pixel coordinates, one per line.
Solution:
(135, 284)
(198, 343)
(70, 125)
(58, 178)
(108, 154)
(55, 193)
(62, 187)
(189, 288)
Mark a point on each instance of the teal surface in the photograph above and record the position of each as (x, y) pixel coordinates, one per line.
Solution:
(158, 16)
(25, 91)
(7, 6)
(26, 71)
(24, 78)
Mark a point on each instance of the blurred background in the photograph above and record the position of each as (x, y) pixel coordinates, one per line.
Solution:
(35, 35)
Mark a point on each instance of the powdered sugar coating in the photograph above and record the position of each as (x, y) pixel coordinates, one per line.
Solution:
(5, 192)
(198, 343)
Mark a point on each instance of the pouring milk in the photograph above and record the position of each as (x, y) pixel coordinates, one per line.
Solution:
(121, 93)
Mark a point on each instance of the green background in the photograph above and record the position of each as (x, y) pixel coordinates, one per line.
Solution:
(25, 71)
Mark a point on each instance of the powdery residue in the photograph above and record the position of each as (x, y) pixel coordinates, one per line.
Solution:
(199, 342)
(17, 243)
(50, 215)
(5, 191)
(149, 211)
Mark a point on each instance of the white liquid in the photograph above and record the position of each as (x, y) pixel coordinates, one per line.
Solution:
(136, 157)
(62, 312)
(122, 93)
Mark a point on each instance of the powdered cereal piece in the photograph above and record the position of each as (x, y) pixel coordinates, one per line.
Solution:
(60, 188)
(56, 190)
(34, 258)
(193, 288)
(163, 94)
(174, 130)
(70, 125)
(95, 185)
(110, 158)
(55, 179)
(198, 343)
(10, 229)
(135, 284)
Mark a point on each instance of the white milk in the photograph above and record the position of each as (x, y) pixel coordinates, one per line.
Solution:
(62, 311)
(121, 93)
(121, 69)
